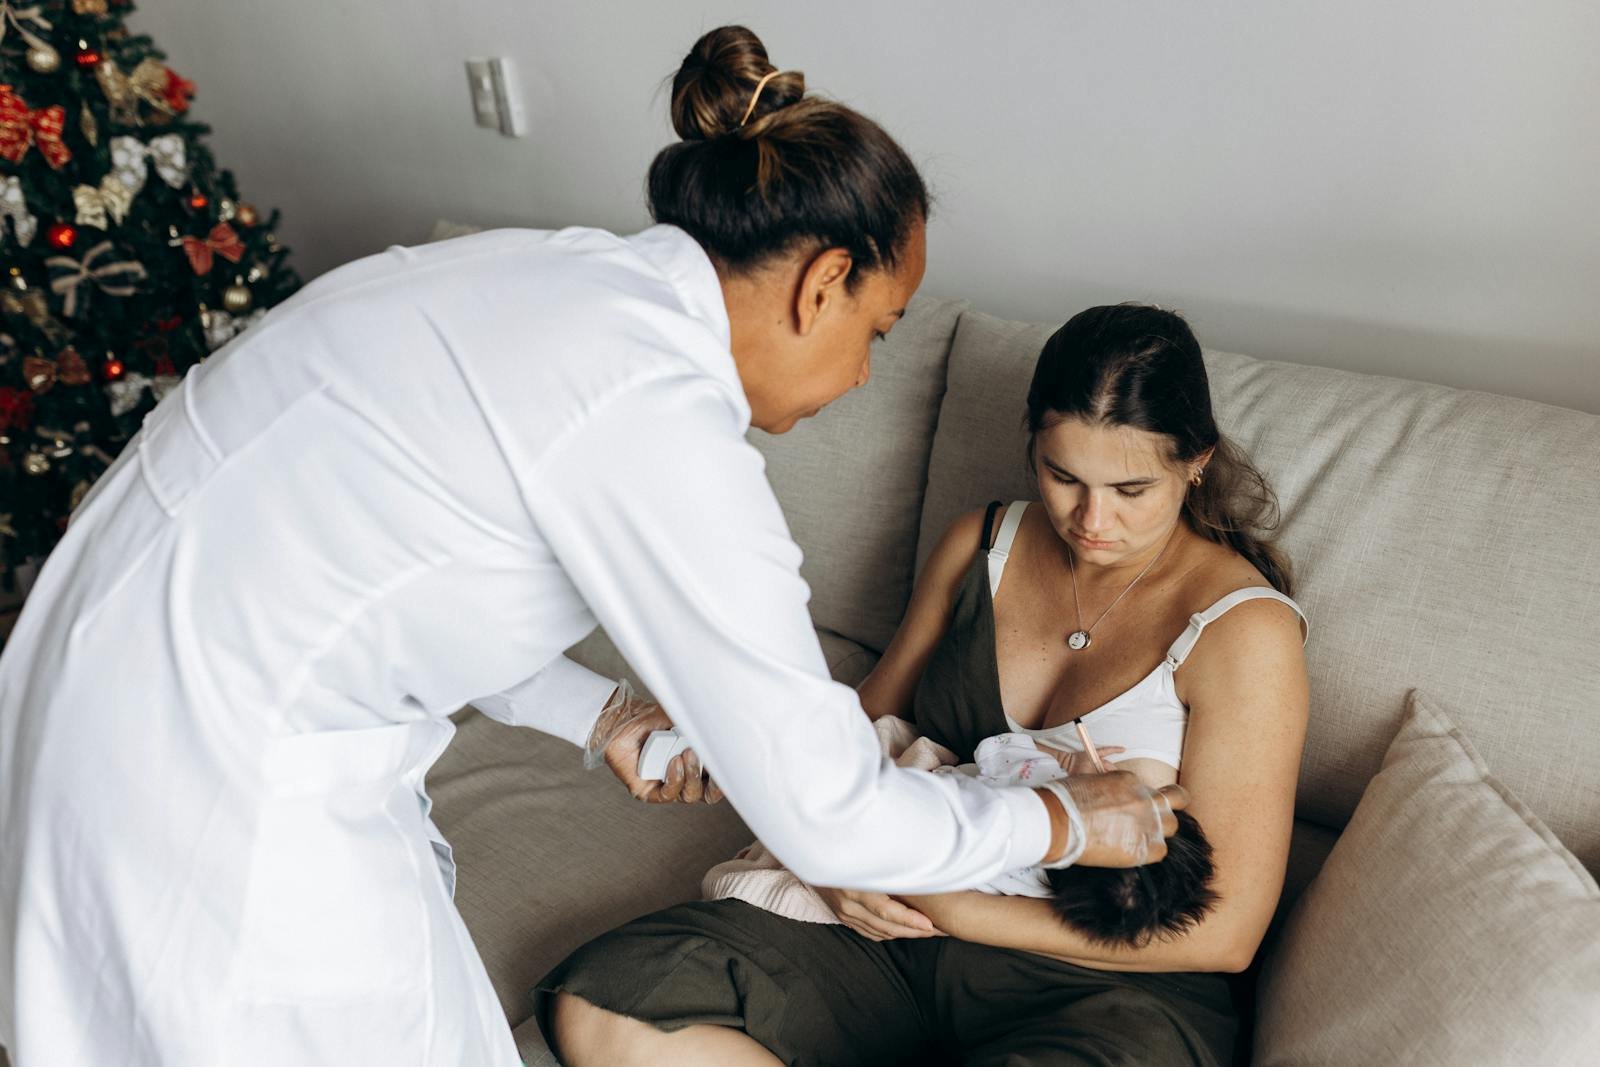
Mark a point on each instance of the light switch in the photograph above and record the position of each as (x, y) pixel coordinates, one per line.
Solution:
(496, 96)
(480, 82)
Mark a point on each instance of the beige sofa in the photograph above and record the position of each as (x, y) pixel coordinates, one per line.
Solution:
(1443, 540)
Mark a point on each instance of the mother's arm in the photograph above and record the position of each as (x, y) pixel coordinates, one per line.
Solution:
(1246, 688)
(892, 686)
(890, 690)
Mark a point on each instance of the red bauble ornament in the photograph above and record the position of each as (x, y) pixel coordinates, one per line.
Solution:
(114, 369)
(89, 58)
(199, 201)
(16, 408)
(61, 236)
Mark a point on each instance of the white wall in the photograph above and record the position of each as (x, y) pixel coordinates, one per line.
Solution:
(1398, 186)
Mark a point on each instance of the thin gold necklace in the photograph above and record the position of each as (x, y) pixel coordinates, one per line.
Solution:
(1079, 639)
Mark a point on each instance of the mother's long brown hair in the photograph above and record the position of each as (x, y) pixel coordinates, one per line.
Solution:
(1140, 366)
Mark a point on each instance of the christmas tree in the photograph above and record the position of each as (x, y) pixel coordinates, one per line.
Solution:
(126, 256)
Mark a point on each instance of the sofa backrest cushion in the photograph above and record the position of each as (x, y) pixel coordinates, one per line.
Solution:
(850, 480)
(1441, 539)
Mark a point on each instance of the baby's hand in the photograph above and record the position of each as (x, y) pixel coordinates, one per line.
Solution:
(1079, 762)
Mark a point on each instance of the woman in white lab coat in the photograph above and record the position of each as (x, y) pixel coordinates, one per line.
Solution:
(413, 484)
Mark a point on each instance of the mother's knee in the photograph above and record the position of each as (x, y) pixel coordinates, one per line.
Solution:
(583, 1033)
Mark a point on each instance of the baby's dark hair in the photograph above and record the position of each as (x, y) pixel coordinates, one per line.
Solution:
(1133, 906)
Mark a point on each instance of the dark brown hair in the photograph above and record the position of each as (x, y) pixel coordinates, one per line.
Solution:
(1140, 366)
(800, 171)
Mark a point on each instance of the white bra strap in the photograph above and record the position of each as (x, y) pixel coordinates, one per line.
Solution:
(1002, 543)
(1197, 623)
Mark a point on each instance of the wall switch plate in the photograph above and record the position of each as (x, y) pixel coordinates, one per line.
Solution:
(480, 82)
(508, 97)
(496, 96)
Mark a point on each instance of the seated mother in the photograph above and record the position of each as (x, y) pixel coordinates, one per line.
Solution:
(1139, 595)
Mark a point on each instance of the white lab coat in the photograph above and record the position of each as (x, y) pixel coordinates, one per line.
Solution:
(414, 483)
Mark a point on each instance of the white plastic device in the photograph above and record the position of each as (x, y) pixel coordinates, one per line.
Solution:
(659, 748)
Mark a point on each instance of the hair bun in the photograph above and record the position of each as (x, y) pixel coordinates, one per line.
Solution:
(717, 82)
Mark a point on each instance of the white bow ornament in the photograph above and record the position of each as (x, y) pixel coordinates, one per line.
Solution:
(221, 327)
(14, 206)
(125, 391)
(167, 152)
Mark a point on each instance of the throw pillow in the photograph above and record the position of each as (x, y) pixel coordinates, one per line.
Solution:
(1448, 926)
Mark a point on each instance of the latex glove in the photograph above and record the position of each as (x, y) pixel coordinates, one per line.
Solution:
(877, 916)
(1113, 820)
(687, 782)
(617, 738)
(1079, 762)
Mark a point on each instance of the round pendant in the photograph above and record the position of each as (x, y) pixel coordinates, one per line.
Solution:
(1078, 640)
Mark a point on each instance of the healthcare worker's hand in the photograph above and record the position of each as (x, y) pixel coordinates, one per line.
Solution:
(618, 738)
(877, 916)
(687, 782)
(1110, 820)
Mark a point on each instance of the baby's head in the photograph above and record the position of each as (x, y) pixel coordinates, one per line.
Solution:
(1132, 906)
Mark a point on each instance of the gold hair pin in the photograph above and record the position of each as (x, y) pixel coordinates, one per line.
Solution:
(756, 96)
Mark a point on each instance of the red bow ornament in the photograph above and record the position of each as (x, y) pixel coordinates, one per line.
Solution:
(221, 241)
(177, 91)
(39, 373)
(21, 128)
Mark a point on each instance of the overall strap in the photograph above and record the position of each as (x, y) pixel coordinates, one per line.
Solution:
(1197, 623)
(988, 524)
(1002, 542)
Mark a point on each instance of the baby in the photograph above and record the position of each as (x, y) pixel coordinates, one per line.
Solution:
(1122, 906)
(1109, 905)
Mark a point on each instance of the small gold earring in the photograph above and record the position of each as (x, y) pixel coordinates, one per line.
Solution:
(1199, 475)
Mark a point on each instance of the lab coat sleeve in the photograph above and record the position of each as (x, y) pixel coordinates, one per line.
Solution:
(564, 699)
(660, 513)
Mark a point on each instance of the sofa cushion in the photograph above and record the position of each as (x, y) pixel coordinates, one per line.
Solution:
(850, 480)
(535, 1051)
(1440, 538)
(1447, 926)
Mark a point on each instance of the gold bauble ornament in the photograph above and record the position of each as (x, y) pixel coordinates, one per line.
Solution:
(246, 214)
(237, 298)
(43, 59)
(35, 463)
